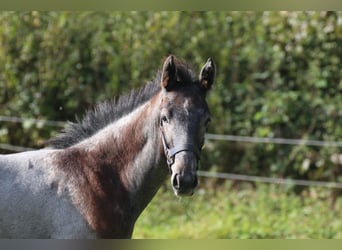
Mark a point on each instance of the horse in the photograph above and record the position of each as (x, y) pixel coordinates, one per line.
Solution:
(95, 178)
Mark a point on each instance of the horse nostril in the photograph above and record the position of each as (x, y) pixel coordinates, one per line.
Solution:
(184, 184)
(175, 181)
(187, 181)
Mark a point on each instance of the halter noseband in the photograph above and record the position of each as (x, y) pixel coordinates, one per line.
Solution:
(171, 152)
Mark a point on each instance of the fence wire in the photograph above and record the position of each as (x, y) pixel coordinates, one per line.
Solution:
(271, 180)
(287, 141)
(13, 148)
(32, 120)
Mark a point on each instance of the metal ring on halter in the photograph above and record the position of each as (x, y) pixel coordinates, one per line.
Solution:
(171, 152)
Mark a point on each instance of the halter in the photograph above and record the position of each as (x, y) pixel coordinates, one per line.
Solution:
(170, 153)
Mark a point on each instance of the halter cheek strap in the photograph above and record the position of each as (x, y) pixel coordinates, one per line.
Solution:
(170, 153)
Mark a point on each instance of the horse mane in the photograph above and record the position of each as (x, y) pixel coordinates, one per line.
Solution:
(108, 112)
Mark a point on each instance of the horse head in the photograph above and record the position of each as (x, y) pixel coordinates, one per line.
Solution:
(184, 117)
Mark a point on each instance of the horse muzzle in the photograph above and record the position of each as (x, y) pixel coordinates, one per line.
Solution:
(182, 161)
(184, 183)
(184, 174)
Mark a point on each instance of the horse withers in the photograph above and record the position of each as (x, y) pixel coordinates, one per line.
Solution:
(98, 174)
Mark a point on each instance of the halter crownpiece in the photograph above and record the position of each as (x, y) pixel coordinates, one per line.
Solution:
(170, 153)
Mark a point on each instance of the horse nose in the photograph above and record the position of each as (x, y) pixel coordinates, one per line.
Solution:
(184, 184)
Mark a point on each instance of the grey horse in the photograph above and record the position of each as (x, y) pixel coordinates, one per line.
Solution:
(97, 176)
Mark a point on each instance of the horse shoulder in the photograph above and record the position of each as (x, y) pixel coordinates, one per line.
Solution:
(35, 200)
(97, 191)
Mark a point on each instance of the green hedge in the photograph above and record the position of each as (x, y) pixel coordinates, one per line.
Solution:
(279, 75)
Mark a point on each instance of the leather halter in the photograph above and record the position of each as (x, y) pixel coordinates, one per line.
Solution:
(170, 153)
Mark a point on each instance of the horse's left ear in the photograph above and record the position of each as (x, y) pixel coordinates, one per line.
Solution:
(207, 74)
(169, 74)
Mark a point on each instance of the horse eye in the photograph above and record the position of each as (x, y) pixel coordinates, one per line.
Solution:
(164, 119)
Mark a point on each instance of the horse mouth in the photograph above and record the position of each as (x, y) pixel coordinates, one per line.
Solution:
(182, 192)
(184, 184)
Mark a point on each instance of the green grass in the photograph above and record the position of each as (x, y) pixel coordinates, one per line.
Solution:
(270, 212)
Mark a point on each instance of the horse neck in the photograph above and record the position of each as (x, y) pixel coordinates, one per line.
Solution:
(145, 174)
(132, 147)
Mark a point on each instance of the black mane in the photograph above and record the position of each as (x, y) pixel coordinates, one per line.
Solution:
(108, 112)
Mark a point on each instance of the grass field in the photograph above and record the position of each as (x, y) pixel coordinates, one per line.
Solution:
(269, 211)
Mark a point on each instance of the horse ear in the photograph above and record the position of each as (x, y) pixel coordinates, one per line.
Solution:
(169, 73)
(207, 74)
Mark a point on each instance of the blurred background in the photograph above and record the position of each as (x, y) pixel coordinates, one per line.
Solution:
(276, 108)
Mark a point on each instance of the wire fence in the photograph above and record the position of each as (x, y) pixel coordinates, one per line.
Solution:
(14, 148)
(271, 180)
(287, 141)
(233, 138)
(32, 120)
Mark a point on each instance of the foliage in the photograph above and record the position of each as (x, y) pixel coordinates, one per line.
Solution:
(269, 213)
(279, 75)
